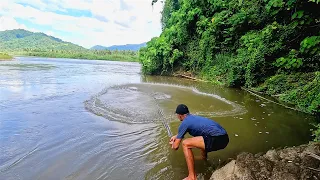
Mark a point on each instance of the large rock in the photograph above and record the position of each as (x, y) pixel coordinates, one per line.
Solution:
(293, 163)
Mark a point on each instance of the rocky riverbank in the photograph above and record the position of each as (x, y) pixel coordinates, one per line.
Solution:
(294, 163)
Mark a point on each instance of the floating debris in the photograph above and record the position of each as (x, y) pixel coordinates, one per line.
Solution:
(236, 135)
(267, 132)
(269, 114)
(266, 141)
(260, 132)
(240, 118)
(263, 112)
(262, 118)
(257, 100)
(263, 105)
(289, 161)
(253, 119)
(256, 124)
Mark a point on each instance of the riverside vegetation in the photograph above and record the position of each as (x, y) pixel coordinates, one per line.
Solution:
(270, 46)
(26, 43)
(4, 56)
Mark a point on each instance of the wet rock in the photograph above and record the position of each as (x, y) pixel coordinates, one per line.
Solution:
(272, 156)
(226, 172)
(294, 163)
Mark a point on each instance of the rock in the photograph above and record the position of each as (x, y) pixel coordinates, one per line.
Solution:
(225, 173)
(292, 163)
(272, 155)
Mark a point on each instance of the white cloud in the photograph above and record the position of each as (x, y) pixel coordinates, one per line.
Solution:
(9, 23)
(128, 21)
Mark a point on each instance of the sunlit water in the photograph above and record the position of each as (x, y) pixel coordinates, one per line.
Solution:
(83, 119)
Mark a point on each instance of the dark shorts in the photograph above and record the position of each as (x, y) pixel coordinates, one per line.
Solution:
(215, 143)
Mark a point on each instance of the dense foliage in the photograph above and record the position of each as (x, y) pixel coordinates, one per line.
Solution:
(242, 43)
(22, 42)
(301, 89)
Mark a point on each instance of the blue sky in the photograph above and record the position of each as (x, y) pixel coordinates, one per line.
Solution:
(85, 22)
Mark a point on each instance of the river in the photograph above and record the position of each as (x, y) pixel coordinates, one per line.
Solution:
(86, 119)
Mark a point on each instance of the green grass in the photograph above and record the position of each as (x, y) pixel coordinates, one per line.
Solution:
(4, 56)
(91, 55)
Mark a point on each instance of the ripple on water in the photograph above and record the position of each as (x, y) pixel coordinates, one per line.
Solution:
(140, 103)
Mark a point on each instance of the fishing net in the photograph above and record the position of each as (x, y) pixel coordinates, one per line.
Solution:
(148, 103)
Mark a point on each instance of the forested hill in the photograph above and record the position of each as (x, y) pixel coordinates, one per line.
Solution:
(20, 39)
(25, 43)
(130, 47)
(270, 46)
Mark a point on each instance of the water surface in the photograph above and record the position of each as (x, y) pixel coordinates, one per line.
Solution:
(84, 119)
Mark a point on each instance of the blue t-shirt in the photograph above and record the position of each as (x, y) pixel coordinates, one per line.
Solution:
(199, 126)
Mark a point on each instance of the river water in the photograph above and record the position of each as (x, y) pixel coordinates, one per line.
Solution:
(85, 119)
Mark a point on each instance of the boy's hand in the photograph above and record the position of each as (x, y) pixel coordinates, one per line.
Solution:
(172, 139)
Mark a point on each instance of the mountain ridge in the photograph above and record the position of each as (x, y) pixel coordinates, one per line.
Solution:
(20, 39)
(132, 47)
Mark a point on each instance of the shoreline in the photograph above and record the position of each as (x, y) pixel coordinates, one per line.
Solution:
(6, 59)
(270, 98)
(81, 56)
(26, 56)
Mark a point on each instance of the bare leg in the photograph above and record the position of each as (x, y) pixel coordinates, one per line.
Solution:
(188, 144)
(204, 154)
(190, 162)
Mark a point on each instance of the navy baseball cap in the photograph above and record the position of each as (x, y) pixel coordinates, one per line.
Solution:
(182, 109)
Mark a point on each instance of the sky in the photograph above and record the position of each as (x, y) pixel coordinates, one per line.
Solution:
(85, 22)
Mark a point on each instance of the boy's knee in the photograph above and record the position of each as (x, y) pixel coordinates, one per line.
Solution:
(185, 143)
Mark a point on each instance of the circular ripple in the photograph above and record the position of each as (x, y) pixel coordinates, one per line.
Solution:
(146, 103)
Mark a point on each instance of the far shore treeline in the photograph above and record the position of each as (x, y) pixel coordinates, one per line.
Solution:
(20, 42)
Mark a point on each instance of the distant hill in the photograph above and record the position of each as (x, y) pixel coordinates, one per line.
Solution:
(132, 47)
(20, 39)
(98, 47)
